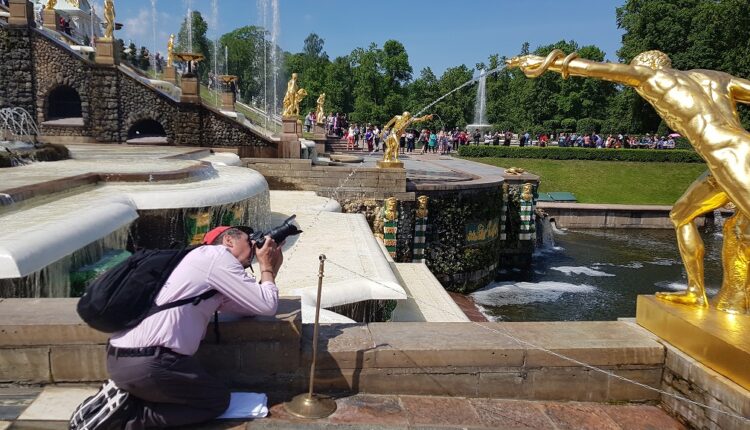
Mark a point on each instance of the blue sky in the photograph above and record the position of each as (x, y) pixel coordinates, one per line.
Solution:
(436, 33)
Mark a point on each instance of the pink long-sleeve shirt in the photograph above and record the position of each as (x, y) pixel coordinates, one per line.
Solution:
(182, 328)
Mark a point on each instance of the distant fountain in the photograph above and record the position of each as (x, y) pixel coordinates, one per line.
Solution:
(153, 36)
(268, 11)
(480, 105)
(190, 29)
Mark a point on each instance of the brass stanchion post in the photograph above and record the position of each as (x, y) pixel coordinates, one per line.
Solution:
(310, 405)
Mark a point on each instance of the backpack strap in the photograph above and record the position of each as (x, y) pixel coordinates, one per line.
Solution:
(195, 300)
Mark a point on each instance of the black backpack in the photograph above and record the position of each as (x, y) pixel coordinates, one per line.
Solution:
(125, 295)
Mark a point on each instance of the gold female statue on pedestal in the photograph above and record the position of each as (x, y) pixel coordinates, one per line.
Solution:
(319, 111)
(700, 105)
(170, 51)
(109, 17)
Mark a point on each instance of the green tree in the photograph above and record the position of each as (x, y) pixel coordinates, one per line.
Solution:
(313, 47)
(245, 53)
(201, 44)
(696, 34)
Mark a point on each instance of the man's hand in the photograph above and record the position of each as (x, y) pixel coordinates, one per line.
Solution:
(269, 259)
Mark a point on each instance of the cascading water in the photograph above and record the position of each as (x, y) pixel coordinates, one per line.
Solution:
(54, 279)
(16, 124)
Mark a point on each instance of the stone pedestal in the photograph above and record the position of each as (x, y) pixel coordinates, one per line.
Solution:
(170, 75)
(228, 98)
(190, 89)
(289, 146)
(105, 51)
(50, 19)
(319, 132)
(21, 13)
(390, 164)
(716, 339)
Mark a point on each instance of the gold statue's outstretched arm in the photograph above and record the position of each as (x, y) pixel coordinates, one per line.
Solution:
(534, 65)
(740, 89)
(422, 118)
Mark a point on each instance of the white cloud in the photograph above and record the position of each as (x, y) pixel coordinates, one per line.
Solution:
(138, 28)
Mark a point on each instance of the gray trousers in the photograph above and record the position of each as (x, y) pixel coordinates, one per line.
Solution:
(173, 389)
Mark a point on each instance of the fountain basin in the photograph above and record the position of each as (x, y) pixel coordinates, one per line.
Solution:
(63, 215)
(33, 239)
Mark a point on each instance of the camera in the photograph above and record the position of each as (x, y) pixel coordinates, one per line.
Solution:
(279, 233)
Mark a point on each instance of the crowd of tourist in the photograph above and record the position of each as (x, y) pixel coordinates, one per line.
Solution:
(371, 138)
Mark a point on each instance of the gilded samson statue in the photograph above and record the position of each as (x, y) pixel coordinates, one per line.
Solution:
(700, 105)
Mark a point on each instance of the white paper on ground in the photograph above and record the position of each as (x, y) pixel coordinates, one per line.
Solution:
(246, 405)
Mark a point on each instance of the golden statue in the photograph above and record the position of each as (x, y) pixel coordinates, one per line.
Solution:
(515, 170)
(290, 103)
(527, 192)
(398, 125)
(391, 209)
(109, 17)
(422, 206)
(170, 51)
(700, 105)
(319, 112)
(51, 5)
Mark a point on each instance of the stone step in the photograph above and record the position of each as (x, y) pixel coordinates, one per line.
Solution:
(63, 140)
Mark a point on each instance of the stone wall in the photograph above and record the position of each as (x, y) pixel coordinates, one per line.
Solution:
(55, 66)
(339, 182)
(112, 101)
(140, 102)
(685, 377)
(459, 264)
(16, 69)
(579, 215)
(273, 354)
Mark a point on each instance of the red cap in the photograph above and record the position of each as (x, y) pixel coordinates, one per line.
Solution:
(209, 238)
(213, 234)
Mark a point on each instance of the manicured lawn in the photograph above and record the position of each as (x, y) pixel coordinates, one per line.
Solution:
(609, 181)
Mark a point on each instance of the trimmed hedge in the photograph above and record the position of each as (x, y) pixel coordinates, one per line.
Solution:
(556, 153)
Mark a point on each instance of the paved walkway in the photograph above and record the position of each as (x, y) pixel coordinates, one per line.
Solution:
(400, 412)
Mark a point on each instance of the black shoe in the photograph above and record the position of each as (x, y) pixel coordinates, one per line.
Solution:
(107, 409)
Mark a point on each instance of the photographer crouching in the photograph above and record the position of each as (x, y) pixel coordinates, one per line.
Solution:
(155, 380)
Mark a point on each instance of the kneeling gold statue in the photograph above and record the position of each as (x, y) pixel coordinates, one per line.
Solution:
(700, 105)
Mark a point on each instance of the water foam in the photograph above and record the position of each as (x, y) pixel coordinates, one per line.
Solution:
(580, 270)
(519, 293)
(664, 262)
(674, 286)
(632, 265)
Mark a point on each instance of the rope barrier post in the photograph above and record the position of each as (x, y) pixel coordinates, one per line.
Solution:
(310, 405)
